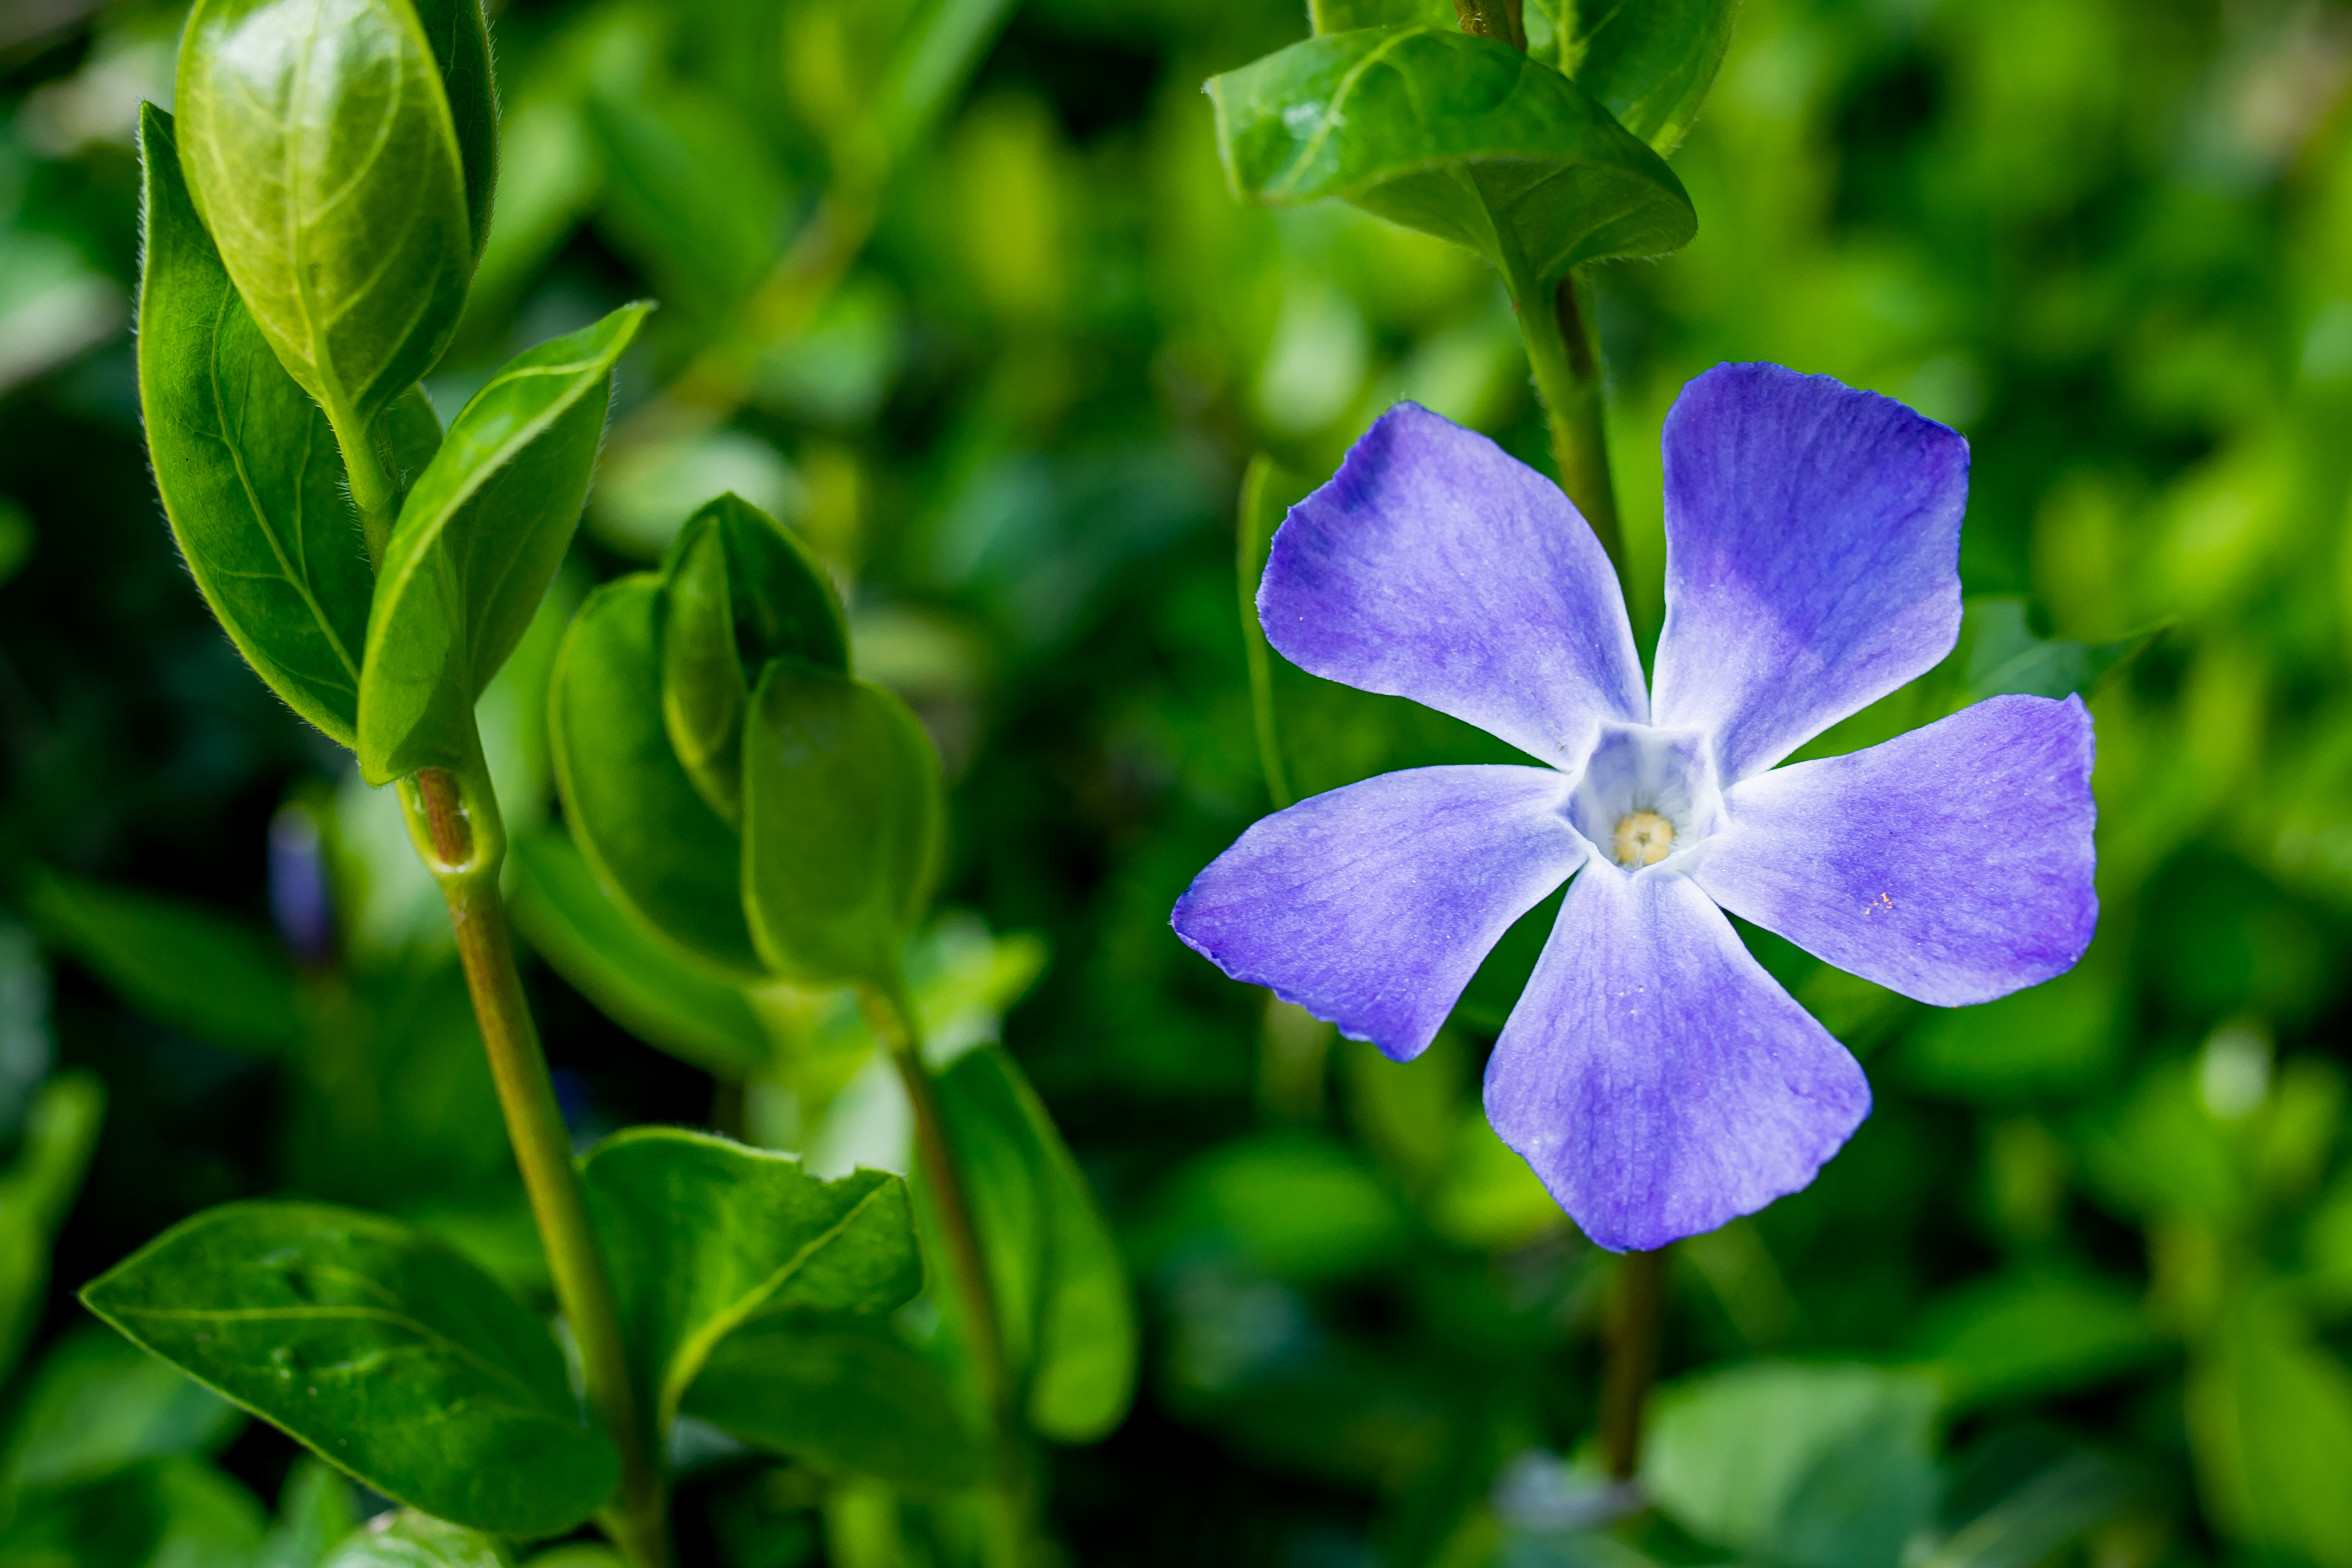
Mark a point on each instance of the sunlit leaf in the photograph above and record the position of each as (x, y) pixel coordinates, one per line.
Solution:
(479, 538)
(377, 1347)
(412, 1540)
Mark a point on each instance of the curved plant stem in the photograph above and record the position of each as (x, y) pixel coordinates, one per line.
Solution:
(1556, 320)
(1249, 566)
(894, 1023)
(462, 844)
(373, 492)
(1632, 1358)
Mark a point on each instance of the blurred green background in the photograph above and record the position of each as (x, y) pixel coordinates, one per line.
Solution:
(955, 286)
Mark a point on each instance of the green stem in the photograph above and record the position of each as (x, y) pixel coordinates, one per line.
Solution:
(1633, 1361)
(1555, 319)
(373, 492)
(1249, 566)
(894, 1022)
(459, 836)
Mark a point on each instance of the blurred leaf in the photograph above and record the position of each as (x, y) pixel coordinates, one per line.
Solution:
(412, 1540)
(377, 1347)
(738, 590)
(656, 844)
(1344, 16)
(249, 473)
(333, 183)
(182, 965)
(317, 1507)
(2033, 1333)
(478, 539)
(1817, 1467)
(1486, 1197)
(1294, 1205)
(2060, 1037)
(1061, 1287)
(641, 983)
(550, 173)
(703, 1235)
(842, 825)
(2270, 1426)
(99, 1403)
(2057, 1505)
(1460, 137)
(2163, 1153)
(842, 1394)
(1649, 65)
(689, 194)
(176, 1512)
(16, 539)
(460, 37)
(37, 1190)
(1998, 653)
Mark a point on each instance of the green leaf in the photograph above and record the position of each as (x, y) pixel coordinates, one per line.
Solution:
(1998, 653)
(1649, 65)
(249, 472)
(2034, 1332)
(2270, 1426)
(689, 194)
(61, 1130)
(412, 1540)
(180, 963)
(842, 1393)
(656, 846)
(2059, 1503)
(842, 824)
(460, 38)
(1061, 1286)
(317, 1507)
(638, 980)
(321, 148)
(1346, 15)
(478, 539)
(702, 1234)
(1460, 137)
(168, 1513)
(1815, 1467)
(99, 1403)
(1291, 1205)
(378, 1347)
(738, 590)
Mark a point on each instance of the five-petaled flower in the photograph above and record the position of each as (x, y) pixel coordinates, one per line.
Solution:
(1655, 1077)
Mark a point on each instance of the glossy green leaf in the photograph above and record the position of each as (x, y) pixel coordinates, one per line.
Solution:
(412, 1540)
(180, 963)
(99, 1403)
(738, 590)
(1062, 1291)
(656, 846)
(1810, 1466)
(2270, 1426)
(378, 1347)
(177, 1513)
(478, 539)
(317, 1507)
(321, 148)
(702, 1234)
(1460, 137)
(842, 1393)
(459, 35)
(249, 472)
(1650, 64)
(842, 824)
(61, 1130)
(638, 980)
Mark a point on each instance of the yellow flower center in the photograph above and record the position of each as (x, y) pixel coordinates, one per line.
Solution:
(1644, 838)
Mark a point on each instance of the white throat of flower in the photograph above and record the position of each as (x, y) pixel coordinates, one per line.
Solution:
(1647, 797)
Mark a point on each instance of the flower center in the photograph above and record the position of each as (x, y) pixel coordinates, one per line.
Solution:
(1642, 839)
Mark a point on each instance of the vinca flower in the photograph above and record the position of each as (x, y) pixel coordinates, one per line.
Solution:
(1655, 1077)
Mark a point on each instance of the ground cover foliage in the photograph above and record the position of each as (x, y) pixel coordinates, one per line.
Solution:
(959, 292)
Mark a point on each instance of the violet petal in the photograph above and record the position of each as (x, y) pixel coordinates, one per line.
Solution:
(1436, 566)
(1656, 1078)
(1813, 557)
(1372, 906)
(1953, 864)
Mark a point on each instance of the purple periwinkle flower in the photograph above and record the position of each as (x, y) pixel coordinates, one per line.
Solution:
(1657, 1079)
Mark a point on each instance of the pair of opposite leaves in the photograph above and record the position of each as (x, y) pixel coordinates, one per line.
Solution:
(311, 223)
(1538, 160)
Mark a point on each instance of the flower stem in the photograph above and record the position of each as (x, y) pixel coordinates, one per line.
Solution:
(1556, 320)
(459, 838)
(373, 492)
(1249, 565)
(894, 1023)
(1632, 1358)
